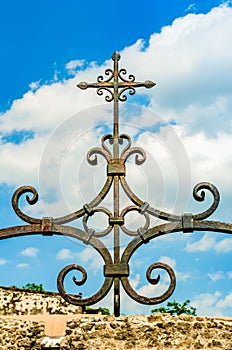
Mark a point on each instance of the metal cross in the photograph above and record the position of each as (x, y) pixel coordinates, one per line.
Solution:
(116, 85)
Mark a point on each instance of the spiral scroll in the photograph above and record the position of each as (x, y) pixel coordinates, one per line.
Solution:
(73, 299)
(109, 97)
(200, 197)
(69, 268)
(122, 97)
(97, 151)
(131, 77)
(140, 155)
(109, 72)
(34, 199)
(155, 300)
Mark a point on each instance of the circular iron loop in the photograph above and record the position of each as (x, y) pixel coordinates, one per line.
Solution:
(142, 229)
(91, 231)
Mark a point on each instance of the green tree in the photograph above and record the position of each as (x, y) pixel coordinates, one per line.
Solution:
(175, 308)
(104, 311)
(33, 286)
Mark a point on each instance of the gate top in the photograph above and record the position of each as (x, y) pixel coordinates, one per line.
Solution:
(116, 269)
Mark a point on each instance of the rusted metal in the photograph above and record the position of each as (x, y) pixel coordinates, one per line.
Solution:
(116, 269)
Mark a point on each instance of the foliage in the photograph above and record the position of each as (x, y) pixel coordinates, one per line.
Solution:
(33, 286)
(104, 310)
(175, 308)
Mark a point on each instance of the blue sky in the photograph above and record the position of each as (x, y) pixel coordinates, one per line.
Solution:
(47, 126)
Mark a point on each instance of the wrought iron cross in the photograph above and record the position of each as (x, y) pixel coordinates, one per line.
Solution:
(116, 85)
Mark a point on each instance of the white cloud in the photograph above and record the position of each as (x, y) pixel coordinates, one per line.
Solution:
(88, 256)
(71, 66)
(150, 290)
(213, 304)
(92, 257)
(135, 281)
(208, 242)
(205, 243)
(30, 251)
(3, 261)
(43, 109)
(64, 254)
(191, 8)
(206, 304)
(22, 266)
(229, 274)
(216, 276)
(204, 151)
(226, 302)
(22, 159)
(186, 59)
(224, 246)
(34, 85)
(167, 260)
(182, 276)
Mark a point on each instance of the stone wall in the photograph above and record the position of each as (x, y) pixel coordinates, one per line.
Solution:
(20, 327)
(16, 334)
(156, 332)
(25, 302)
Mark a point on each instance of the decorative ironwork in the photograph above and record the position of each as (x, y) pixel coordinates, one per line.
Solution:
(116, 267)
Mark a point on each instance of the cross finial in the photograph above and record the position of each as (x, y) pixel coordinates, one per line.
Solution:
(116, 83)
